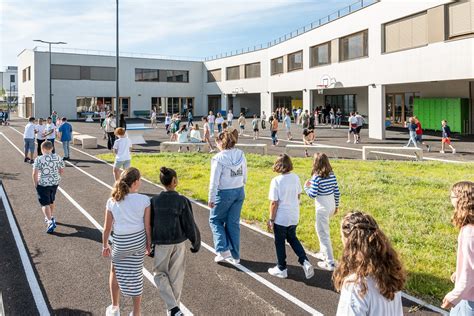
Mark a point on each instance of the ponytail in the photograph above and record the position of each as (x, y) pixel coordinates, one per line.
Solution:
(122, 185)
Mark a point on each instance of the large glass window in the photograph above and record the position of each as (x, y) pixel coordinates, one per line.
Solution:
(146, 74)
(252, 70)
(92, 104)
(214, 103)
(174, 75)
(354, 46)
(346, 102)
(214, 75)
(72, 72)
(321, 54)
(295, 61)
(233, 73)
(277, 65)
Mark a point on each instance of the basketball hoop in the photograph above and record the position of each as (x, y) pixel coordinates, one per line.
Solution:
(320, 88)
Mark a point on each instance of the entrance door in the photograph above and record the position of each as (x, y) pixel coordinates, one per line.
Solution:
(28, 107)
(124, 106)
(214, 103)
(395, 108)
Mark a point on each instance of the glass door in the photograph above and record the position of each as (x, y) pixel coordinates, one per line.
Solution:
(395, 108)
(124, 106)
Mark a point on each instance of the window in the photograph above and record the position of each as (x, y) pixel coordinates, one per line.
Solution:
(174, 75)
(347, 103)
(353, 46)
(66, 72)
(321, 54)
(233, 73)
(252, 70)
(28, 71)
(214, 103)
(461, 18)
(102, 73)
(71, 72)
(23, 75)
(146, 74)
(214, 75)
(277, 65)
(12, 78)
(295, 61)
(406, 33)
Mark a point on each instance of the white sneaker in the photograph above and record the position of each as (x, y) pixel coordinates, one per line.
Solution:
(308, 269)
(326, 265)
(320, 256)
(348, 141)
(112, 311)
(275, 271)
(234, 261)
(454, 151)
(441, 151)
(221, 256)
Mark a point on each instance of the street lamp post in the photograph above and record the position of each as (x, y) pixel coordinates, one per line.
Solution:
(117, 94)
(50, 79)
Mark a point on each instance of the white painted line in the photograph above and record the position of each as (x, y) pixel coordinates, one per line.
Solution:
(28, 268)
(147, 274)
(253, 227)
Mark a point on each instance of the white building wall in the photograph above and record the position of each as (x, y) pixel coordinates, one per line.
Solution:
(27, 88)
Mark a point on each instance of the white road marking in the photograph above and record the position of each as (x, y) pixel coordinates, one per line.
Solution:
(253, 227)
(252, 274)
(30, 274)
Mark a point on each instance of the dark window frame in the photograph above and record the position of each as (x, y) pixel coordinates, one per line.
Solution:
(365, 43)
(314, 50)
(272, 68)
(259, 70)
(227, 73)
(288, 60)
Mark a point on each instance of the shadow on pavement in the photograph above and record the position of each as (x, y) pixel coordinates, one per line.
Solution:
(81, 232)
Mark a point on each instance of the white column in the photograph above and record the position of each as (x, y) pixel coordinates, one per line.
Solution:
(224, 102)
(306, 99)
(266, 103)
(376, 112)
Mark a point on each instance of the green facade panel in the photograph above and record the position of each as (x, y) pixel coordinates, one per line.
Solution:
(431, 111)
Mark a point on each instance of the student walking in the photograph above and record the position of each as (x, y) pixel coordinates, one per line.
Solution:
(172, 223)
(54, 118)
(39, 131)
(446, 137)
(190, 119)
(274, 130)
(110, 129)
(412, 132)
(102, 116)
(122, 147)
(305, 119)
(50, 132)
(370, 275)
(128, 213)
(461, 298)
(65, 135)
(360, 124)
(284, 196)
(167, 123)
(241, 122)
(211, 119)
(29, 140)
(153, 119)
(207, 134)
(419, 134)
(332, 118)
(255, 125)
(287, 122)
(352, 128)
(338, 118)
(230, 117)
(219, 121)
(324, 189)
(226, 196)
(47, 171)
(264, 119)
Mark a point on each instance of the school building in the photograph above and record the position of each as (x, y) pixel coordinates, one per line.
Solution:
(386, 59)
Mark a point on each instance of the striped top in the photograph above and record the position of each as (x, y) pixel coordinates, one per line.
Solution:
(323, 186)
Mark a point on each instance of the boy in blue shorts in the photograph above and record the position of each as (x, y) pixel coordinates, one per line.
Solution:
(47, 170)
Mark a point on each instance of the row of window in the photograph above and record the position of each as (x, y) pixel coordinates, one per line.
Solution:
(234, 73)
(161, 75)
(26, 74)
(73, 72)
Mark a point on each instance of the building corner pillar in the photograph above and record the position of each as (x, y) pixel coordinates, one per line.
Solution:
(376, 111)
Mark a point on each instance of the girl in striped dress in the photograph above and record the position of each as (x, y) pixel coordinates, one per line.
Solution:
(129, 214)
(323, 188)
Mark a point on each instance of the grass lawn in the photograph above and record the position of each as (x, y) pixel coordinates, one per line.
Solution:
(409, 200)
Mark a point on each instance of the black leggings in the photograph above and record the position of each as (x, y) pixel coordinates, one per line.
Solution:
(40, 141)
(110, 140)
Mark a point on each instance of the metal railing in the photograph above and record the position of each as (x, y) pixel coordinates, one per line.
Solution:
(356, 6)
(112, 53)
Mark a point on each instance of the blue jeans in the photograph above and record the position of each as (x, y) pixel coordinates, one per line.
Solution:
(274, 137)
(219, 128)
(211, 127)
(463, 308)
(287, 233)
(224, 220)
(412, 139)
(52, 142)
(66, 148)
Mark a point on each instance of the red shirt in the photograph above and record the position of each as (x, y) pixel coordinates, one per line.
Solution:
(419, 131)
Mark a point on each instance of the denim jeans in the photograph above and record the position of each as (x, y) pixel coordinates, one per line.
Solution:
(66, 148)
(288, 233)
(211, 127)
(219, 128)
(274, 137)
(463, 308)
(224, 220)
(338, 121)
(412, 139)
(52, 142)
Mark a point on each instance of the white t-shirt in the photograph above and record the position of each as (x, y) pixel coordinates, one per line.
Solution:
(129, 213)
(195, 134)
(285, 189)
(167, 120)
(211, 118)
(182, 137)
(230, 116)
(153, 114)
(206, 128)
(122, 145)
(219, 120)
(48, 129)
(29, 131)
(353, 121)
(40, 131)
(102, 114)
(372, 304)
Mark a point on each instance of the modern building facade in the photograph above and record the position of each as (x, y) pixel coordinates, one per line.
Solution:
(375, 60)
(9, 85)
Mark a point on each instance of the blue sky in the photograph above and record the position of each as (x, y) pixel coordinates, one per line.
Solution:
(194, 28)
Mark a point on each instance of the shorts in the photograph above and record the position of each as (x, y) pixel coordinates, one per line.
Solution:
(29, 145)
(446, 140)
(47, 194)
(242, 127)
(255, 129)
(353, 130)
(122, 164)
(358, 128)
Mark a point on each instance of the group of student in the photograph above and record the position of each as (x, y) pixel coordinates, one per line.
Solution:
(415, 132)
(369, 274)
(4, 117)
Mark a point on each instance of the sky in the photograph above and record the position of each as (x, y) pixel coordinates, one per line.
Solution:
(195, 28)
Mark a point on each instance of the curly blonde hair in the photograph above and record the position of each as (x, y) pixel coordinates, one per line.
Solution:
(368, 252)
(122, 186)
(464, 209)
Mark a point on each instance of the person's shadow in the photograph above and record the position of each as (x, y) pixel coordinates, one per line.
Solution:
(81, 232)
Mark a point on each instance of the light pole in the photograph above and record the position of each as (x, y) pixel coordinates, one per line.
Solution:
(117, 95)
(50, 81)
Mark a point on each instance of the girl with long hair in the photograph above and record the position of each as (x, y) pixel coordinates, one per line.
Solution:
(461, 298)
(324, 189)
(128, 213)
(370, 275)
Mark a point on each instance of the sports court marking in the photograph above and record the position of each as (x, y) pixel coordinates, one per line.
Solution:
(242, 268)
(253, 227)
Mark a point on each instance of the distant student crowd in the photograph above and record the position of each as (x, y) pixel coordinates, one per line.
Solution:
(369, 273)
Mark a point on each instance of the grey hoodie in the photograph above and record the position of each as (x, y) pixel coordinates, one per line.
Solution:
(228, 171)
